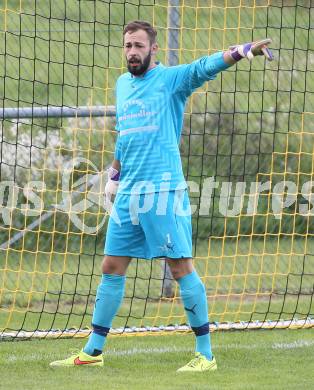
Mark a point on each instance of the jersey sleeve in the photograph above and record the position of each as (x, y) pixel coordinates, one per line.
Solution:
(186, 78)
(118, 149)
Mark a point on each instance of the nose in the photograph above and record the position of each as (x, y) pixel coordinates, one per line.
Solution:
(132, 50)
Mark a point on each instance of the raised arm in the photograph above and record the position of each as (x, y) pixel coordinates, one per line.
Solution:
(186, 78)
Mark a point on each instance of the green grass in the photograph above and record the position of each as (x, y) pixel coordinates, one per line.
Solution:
(254, 360)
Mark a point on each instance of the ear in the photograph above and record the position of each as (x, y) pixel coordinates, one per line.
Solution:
(154, 49)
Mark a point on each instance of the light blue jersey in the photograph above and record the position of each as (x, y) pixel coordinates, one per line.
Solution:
(150, 111)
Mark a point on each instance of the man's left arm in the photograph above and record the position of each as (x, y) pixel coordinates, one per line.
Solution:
(192, 76)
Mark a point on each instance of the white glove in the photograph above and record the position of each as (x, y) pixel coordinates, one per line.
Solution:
(252, 49)
(111, 187)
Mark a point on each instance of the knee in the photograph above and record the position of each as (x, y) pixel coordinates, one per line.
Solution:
(176, 273)
(114, 265)
(109, 266)
(180, 267)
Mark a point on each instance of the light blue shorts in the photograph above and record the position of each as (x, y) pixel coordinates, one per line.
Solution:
(150, 225)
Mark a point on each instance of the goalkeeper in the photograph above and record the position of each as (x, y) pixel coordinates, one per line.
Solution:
(151, 215)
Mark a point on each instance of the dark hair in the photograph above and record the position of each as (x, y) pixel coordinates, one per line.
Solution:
(141, 25)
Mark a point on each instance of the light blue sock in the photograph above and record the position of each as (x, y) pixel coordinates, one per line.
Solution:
(108, 300)
(194, 298)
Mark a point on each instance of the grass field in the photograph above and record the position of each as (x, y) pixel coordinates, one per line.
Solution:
(273, 360)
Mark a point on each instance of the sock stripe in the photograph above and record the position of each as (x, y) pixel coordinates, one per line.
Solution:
(100, 330)
(201, 330)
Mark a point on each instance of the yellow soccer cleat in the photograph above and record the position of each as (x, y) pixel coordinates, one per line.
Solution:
(199, 364)
(80, 358)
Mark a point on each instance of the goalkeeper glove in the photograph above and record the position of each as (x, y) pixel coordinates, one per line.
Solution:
(111, 187)
(250, 50)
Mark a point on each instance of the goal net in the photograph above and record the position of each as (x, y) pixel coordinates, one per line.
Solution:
(247, 153)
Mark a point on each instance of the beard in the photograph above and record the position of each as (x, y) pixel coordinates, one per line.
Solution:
(136, 67)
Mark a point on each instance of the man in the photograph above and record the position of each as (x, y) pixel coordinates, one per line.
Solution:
(150, 217)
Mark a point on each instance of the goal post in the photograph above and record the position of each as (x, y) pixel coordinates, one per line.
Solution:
(247, 153)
